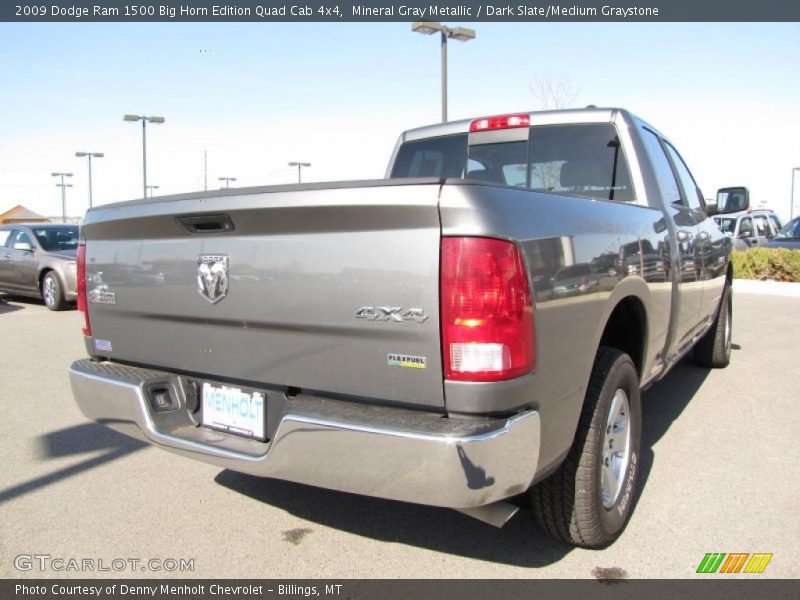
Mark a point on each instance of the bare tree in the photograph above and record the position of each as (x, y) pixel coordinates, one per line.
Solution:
(551, 92)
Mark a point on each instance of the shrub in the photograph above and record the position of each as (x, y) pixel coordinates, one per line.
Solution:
(779, 264)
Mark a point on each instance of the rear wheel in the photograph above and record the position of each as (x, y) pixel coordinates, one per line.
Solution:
(714, 348)
(52, 294)
(587, 502)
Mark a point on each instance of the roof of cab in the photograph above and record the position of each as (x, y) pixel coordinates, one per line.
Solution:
(545, 117)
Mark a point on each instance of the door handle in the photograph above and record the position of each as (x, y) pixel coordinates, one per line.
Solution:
(684, 236)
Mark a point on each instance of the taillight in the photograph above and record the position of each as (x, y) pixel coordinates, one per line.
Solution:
(87, 328)
(486, 310)
(499, 122)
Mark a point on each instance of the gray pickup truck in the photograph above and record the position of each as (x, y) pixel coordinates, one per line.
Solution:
(474, 327)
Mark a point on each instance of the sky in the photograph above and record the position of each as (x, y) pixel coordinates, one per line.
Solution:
(255, 96)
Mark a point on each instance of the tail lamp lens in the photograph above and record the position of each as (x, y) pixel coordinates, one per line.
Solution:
(87, 328)
(486, 310)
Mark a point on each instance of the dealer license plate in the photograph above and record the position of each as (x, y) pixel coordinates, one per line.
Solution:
(232, 410)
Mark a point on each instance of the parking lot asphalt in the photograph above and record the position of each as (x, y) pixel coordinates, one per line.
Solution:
(719, 474)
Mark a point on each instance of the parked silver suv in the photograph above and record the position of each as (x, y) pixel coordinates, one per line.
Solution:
(38, 260)
(749, 228)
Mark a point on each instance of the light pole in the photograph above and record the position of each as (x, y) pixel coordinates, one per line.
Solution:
(299, 166)
(791, 202)
(144, 119)
(63, 187)
(462, 34)
(90, 155)
(150, 189)
(227, 181)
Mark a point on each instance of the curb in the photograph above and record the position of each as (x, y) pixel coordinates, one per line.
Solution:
(768, 288)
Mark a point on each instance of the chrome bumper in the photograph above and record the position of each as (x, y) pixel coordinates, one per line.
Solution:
(384, 452)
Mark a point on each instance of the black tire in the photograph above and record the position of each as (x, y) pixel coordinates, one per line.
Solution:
(713, 350)
(52, 292)
(569, 504)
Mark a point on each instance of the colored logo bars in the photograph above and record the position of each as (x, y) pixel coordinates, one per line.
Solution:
(734, 562)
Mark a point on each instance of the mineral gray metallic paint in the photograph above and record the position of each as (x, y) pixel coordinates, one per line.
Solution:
(304, 259)
(300, 265)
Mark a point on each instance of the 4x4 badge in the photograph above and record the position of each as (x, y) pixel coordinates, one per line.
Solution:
(391, 313)
(212, 277)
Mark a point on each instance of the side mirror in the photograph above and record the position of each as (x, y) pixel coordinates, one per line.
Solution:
(745, 233)
(24, 246)
(732, 199)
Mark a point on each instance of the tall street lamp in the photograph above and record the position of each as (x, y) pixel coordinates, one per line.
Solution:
(90, 155)
(150, 189)
(227, 181)
(462, 34)
(144, 119)
(299, 166)
(63, 187)
(791, 202)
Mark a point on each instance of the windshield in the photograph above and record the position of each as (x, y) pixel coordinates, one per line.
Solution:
(790, 231)
(57, 238)
(726, 225)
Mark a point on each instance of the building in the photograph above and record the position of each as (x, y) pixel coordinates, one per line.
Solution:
(20, 214)
(60, 219)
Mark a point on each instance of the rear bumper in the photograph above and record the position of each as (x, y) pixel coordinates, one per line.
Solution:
(384, 452)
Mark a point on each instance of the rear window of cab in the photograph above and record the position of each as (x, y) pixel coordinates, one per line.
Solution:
(575, 159)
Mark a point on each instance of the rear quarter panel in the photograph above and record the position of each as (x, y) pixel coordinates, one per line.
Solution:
(554, 232)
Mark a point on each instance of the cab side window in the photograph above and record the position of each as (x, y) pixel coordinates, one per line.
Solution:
(691, 197)
(663, 172)
(4, 235)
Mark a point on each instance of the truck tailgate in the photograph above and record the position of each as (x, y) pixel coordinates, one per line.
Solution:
(325, 288)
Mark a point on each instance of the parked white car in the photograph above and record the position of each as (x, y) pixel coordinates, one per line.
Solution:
(749, 228)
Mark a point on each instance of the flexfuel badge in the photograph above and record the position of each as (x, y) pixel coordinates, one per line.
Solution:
(406, 361)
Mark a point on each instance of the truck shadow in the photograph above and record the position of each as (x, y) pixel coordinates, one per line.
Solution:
(662, 404)
(86, 437)
(520, 543)
(72, 441)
